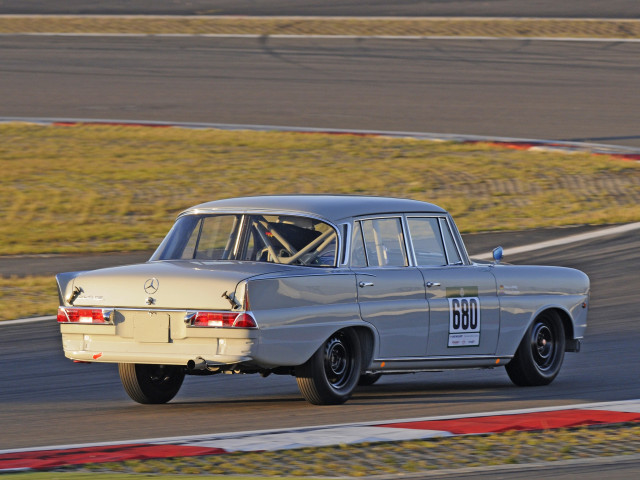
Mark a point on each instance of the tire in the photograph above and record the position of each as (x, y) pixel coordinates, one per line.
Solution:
(367, 379)
(539, 356)
(151, 384)
(331, 374)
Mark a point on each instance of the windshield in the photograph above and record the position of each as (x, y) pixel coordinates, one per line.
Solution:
(282, 239)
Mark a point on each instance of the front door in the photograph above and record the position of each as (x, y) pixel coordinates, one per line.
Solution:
(465, 313)
(463, 302)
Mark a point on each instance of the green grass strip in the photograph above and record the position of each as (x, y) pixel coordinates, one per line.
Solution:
(447, 27)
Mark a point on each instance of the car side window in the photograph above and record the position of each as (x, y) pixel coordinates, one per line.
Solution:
(290, 240)
(216, 237)
(358, 257)
(384, 242)
(452, 251)
(427, 242)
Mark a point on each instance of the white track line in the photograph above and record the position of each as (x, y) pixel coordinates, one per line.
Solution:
(565, 240)
(20, 321)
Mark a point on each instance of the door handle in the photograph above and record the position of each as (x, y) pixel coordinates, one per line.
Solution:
(365, 284)
(432, 284)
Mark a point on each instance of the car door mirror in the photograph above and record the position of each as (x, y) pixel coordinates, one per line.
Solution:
(498, 253)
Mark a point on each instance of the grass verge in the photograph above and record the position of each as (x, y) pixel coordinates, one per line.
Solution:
(88, 189)
(118, 476)
(84, 189)
(398, 458)
(35, 295)
(447, 27)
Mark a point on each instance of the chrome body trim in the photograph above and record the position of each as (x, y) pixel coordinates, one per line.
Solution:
(442, 358)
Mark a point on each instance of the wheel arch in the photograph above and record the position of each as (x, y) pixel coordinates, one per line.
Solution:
(567, 322)
(366, 336)
(563, 313)
(540, 354)
(290, 347)
(367, 344)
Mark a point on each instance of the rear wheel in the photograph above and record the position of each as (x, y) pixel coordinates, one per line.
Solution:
(539, 356)
(151, 383)
(331, 374)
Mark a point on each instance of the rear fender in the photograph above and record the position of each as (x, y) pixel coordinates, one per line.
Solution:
(65, 286)
(294, 345)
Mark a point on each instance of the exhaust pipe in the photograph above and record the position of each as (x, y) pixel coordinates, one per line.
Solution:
(198, 363)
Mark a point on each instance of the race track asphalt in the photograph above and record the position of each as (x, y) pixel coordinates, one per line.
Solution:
(575, 91)
(486, 8)
(46, 399)
(555, 90)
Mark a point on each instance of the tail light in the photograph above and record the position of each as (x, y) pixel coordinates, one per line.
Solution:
(84, 315)
(221, 319)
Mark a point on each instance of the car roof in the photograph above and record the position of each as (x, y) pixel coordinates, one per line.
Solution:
(331, 207)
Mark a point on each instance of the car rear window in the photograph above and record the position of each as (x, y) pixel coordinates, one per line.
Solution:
(285, 239)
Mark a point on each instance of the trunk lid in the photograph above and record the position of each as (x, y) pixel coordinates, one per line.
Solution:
(178, 284)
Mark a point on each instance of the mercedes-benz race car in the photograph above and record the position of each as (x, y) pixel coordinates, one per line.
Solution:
(335, 290)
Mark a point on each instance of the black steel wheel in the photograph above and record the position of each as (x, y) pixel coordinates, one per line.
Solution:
(331, 374)
(151, 383)
(541, 352)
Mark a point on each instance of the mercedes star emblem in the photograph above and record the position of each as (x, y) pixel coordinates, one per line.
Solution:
(151, 285)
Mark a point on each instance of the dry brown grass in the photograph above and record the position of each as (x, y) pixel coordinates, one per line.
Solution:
(448, 27)
(109, 188)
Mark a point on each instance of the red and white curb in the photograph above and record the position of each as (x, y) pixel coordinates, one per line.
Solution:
(404, 429)
(618, 151)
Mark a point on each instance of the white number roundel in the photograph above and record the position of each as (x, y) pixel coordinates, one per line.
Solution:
(464, 315)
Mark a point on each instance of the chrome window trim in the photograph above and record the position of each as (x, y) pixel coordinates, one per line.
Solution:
(457, 238)
(399, 216)
(239, 235)
(439, 218)
(442, 225)
(345, 247)
(364, 248)
(464, 258)
(408, 242)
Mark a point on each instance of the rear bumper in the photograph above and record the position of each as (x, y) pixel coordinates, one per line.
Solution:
(101, 343)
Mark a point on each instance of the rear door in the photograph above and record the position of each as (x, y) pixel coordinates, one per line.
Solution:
(390, 293)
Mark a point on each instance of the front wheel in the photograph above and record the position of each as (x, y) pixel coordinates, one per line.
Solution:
(539, 356)
(151, 383)
(331, 374)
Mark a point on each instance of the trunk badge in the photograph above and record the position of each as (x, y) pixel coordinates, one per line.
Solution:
(151, 286)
